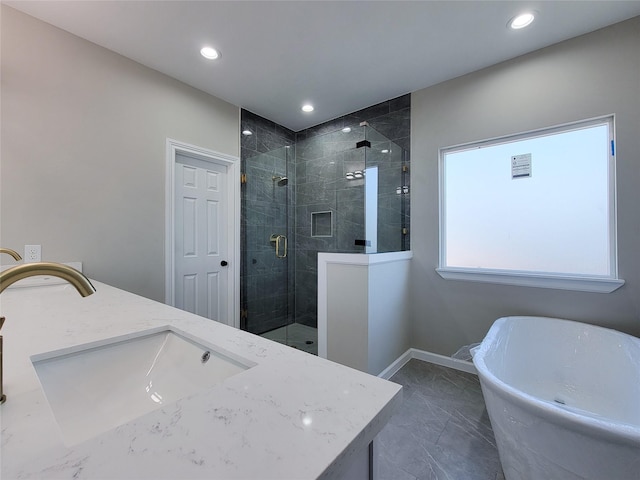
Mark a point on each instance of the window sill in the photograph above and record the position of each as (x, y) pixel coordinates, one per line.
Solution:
(527, 279)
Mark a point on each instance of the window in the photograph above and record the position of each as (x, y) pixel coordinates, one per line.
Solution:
(533, 209)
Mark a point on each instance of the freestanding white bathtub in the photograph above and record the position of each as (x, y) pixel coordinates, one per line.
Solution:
(563, 398)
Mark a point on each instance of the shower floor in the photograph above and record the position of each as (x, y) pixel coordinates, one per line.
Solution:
(296, 335)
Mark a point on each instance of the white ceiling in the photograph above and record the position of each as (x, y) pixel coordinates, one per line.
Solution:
(339, 55)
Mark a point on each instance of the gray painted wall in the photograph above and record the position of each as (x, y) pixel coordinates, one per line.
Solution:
(589, 76)
(83, 151)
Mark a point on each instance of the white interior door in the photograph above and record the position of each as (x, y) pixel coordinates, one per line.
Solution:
(202, 253)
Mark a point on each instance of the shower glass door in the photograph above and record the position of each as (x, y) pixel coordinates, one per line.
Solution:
(267, 250)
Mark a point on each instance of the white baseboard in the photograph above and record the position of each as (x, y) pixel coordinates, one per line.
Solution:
(434, 358)
(400, 362)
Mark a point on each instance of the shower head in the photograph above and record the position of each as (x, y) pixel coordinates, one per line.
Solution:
(282, 181)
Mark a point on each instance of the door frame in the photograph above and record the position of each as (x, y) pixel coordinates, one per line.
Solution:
(175, 147)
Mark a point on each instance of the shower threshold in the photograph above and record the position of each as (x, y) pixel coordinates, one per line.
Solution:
(295, 335)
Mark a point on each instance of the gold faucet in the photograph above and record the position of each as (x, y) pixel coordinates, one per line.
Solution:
(71, 275)
(16, 256)
(18, 272)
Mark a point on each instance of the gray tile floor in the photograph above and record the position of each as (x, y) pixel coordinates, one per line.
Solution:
(441, 431)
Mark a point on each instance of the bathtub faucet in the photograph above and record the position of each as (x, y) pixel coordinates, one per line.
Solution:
(18, 272)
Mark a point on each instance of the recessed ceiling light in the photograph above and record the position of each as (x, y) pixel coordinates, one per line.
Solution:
(307, 107)
(209, 52)
(384, 151)
(522, 20)
(247, 132)
(346, 129)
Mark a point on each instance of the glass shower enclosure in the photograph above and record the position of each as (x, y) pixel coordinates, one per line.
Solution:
(345, 191)
(266, 248)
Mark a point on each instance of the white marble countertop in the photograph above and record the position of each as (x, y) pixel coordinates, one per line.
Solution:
(248, 427)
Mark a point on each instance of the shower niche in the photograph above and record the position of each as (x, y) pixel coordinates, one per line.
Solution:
(322, 224)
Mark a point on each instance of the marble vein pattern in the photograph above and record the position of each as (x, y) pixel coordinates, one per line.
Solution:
(291, 416)
(441, 431)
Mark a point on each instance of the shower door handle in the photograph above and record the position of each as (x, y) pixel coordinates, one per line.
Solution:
(280, 240)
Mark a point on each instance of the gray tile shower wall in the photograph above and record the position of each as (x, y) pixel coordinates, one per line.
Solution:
(391, 118)
(324, 154)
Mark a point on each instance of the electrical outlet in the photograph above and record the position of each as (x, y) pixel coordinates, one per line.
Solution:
(32, 253)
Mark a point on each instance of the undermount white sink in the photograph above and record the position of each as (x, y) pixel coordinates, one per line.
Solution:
(95, 387)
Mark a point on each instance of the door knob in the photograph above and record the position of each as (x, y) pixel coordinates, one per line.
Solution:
(224, 263)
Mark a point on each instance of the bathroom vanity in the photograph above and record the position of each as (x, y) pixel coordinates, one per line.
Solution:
(279, 413)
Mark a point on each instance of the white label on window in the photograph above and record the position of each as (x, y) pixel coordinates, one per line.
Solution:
(521, 166)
